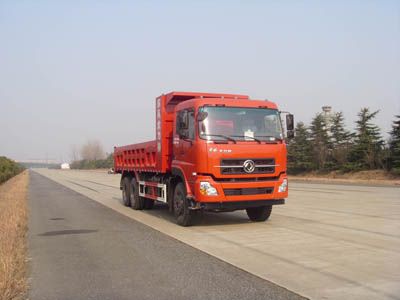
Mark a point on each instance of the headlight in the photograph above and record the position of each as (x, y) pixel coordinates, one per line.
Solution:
(282, 188)
(207, 189)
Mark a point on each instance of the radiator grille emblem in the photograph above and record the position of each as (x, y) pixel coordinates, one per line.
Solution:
(249, 166)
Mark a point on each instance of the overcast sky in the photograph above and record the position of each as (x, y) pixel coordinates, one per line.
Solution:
(77, 70)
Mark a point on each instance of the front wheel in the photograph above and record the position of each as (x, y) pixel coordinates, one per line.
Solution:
(182, 212)
(259, 214)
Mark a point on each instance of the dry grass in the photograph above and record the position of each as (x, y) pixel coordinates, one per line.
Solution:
(13, 228)
(363, 177)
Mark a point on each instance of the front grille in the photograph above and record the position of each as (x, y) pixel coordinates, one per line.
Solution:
(248, 191)
(247, 179)
(235, 166)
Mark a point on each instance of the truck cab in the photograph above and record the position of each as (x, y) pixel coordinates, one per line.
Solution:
(232, 153)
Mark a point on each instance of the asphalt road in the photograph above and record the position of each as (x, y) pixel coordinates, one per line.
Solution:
(328, 241)
(80, 249)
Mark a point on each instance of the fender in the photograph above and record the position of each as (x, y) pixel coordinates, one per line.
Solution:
(128, 173)
(178, 172)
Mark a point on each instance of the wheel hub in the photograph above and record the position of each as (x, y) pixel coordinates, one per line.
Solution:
(178, 204)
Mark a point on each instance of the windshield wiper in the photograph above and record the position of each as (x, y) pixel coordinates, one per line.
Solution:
(221, 135)
(246, 136)
(270, 136)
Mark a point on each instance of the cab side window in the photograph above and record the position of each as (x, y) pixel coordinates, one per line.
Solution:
(185, 124)
(178, 123)
(191, 129)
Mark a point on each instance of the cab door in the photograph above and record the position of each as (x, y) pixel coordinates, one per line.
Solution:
(184, 143)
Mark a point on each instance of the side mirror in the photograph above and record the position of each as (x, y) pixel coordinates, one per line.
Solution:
(289, 123)
(290, 134)
(201, 116)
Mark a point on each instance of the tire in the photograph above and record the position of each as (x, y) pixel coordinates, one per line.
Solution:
(182, 212)
(126, 191)
(135, 199)
(259, 214)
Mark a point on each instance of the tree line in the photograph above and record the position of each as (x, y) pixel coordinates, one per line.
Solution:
(326, 145)
(8, 169)
(91, 155)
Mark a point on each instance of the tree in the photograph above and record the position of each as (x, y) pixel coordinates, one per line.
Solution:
(341, 140)
(320, 140)
(368, 143)
(74, 155)
(92, 150)
(299, 150)
(394, 146)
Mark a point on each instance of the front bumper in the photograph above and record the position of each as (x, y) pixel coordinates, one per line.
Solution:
(244, 192)
(236, 205)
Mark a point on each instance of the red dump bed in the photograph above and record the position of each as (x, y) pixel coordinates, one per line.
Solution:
(137, 157)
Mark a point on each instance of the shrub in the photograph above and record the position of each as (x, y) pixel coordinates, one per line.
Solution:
(8, 168)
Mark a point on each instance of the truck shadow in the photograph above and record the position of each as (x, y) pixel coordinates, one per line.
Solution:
(161, 211)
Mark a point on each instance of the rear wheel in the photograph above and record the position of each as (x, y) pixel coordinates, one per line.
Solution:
(182, 212)
(126, 191)
(135, 199)
(259, 214)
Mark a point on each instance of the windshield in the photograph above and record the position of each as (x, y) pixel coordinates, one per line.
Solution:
(248, 124)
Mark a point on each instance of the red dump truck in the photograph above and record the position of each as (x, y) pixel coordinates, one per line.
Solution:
(213, 152)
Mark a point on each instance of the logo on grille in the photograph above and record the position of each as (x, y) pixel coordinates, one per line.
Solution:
(249, 166)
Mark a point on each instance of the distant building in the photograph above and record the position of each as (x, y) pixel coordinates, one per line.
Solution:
(65, 166)
(328, 114)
